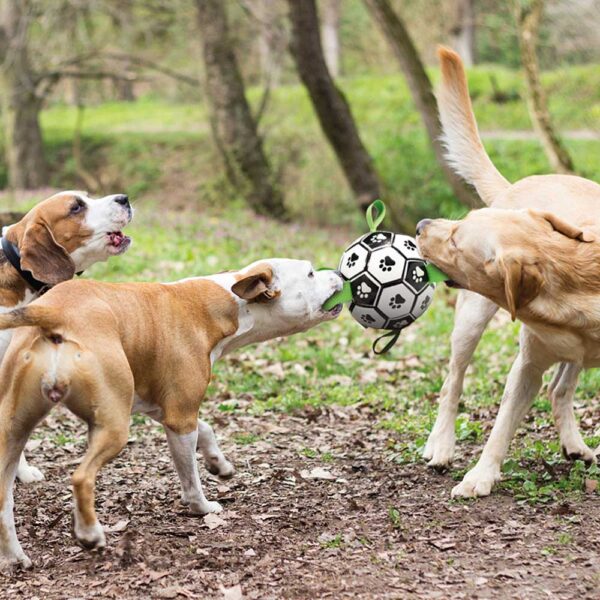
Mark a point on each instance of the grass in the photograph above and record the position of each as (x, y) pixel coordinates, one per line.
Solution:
(152, 145)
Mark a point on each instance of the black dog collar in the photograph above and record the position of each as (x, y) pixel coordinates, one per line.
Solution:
(14, 258)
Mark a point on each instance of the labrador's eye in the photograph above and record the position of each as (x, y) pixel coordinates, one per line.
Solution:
(77, 206)
(311, 274)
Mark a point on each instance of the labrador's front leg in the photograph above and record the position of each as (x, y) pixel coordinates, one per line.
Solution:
(524, 381)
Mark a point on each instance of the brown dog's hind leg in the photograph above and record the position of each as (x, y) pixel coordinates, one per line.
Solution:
(105, 442)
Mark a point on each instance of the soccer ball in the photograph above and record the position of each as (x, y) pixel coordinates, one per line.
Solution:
(390, 286)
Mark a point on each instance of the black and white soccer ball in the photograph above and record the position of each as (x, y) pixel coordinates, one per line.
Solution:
(390, 286)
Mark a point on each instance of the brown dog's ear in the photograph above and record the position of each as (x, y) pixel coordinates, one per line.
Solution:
(41, 254)
(522, 283)
(254, 284)
(571, 231)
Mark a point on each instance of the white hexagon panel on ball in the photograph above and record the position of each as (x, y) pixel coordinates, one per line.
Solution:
(386, 264)
(406, 245)
(354, 260)
(396, 301)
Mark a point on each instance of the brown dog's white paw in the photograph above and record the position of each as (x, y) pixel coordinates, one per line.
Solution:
(90, 536)
(8, 564)
(220, 467)
(204, 508)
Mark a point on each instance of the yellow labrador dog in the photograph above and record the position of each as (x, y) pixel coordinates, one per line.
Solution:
(544, 271)
(573, 199)
(105, 350)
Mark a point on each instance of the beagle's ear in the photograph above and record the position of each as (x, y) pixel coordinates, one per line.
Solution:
(571, 231)
(41, 254)
(522, 283)
(253, 285)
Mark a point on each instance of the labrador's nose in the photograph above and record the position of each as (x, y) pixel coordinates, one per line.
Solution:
(122, 199)
(421, 225)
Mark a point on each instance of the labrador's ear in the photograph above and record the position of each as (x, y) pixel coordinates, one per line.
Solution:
(571, 231)
(41, 254)
(522, 283)
(255, 284)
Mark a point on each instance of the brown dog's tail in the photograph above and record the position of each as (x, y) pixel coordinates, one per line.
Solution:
(464, 150)
(46, 317)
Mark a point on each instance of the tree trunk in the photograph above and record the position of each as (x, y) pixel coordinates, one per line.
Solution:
(332, 10)
(462, 31)
(23, 146)
(330, 104)
(234, 128)
(421, 90)
(528, 23)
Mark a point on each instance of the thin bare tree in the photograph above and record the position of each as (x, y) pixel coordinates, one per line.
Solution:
(420, 87)
(333, 111)
(528, 17)
(234, 128)
(462, 30)
(330, 34)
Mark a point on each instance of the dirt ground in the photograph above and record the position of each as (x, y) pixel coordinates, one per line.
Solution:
(355, 526)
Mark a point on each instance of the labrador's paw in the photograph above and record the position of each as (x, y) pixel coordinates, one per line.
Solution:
(578, 450)
(476, 483)
(29, 474)
(439, 450)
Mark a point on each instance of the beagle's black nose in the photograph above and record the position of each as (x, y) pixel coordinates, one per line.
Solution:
(421, 225)
(122, 199)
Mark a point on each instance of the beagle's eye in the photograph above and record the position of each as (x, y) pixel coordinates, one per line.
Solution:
(311, 274)
(77, 206)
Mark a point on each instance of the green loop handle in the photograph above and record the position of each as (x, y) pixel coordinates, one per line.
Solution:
(393, 335)
(375, 222)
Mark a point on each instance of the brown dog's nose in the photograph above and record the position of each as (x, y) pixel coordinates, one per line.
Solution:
(421, 225)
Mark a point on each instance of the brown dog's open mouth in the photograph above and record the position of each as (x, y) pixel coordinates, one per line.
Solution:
(118, 242)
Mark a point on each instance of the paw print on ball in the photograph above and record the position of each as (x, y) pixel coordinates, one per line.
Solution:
(386, 264)
(352, 259)
(397, 301)
(416, 276)
(425, 303)
(363, 291)
(367, 319)
(410, 245)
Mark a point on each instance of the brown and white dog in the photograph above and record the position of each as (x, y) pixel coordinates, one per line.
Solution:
(62, 235)
(573, 199)
(543, 270)
(105, 350)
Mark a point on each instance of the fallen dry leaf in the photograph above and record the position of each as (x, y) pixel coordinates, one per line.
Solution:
(317, 473)
(213, 521)
(232, 593)
(591, 485)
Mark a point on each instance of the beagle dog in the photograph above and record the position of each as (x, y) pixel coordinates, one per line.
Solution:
(544, 271)
(63, 235)
(573, 199)
(105, 350)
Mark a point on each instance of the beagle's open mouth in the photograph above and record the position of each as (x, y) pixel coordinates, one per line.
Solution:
(117, 242)
(452, 284)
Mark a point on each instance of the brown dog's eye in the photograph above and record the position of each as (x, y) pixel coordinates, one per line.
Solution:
(77, 206)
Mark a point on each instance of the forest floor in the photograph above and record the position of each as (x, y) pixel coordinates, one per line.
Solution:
(297, 525)
(331, 498)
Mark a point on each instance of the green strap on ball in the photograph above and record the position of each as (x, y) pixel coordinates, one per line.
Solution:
(375, 222)
(342, 297)
(434, 274)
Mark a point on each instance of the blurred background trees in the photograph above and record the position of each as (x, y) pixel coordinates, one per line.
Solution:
(302, 118)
